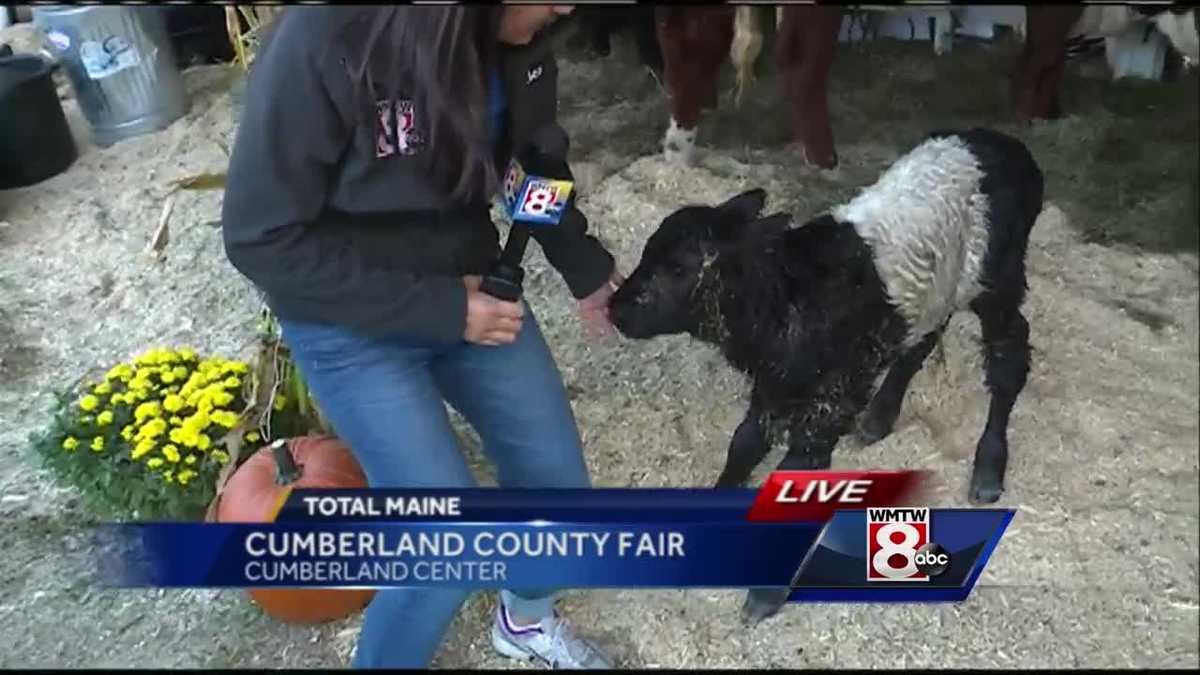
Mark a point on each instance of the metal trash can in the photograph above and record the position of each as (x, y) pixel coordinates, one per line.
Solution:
(120, 63)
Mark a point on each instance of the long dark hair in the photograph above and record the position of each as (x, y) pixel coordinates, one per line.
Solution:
(438, 57)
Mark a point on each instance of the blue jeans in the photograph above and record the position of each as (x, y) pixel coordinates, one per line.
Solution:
(385, 398)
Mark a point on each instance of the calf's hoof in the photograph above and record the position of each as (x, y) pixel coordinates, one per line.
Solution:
(984, 494)
(728, 481)
(986, 488)
(763, 603)
(987, 476)
(874, 428)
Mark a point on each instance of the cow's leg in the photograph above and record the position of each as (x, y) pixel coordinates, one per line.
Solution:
(685, 33)
(747, 448)
(1006, 353)
(1039, 72)
(885, 406)
(805, 51)
(810, 447)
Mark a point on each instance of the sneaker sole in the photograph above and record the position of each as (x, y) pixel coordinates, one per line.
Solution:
(508, 649)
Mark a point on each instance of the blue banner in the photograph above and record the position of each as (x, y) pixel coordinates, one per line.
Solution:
(487, 539)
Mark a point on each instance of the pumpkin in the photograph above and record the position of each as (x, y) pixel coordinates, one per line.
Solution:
(258, 489)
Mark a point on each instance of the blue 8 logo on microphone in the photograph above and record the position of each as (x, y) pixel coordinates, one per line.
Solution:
(511, 182)
(539, 198)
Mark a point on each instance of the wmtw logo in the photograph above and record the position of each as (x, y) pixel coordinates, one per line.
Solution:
(899, 546)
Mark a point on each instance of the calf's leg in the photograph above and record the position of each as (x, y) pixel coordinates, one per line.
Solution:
(1006, 354)
(810, 447)
(747, 449)
(885, 406)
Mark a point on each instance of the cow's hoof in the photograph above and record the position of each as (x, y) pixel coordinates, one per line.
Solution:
(678, 156)
(872, 430)
(985, 494)
(761, 604)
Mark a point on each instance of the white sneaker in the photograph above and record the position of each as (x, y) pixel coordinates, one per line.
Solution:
(550, 641)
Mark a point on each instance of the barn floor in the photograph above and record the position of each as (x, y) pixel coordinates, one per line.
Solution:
(1098, 569)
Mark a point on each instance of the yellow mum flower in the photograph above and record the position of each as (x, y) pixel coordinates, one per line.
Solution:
(89, 402)
(223, 398)
(152, 429)
(225, 418)
(176, 420)
(232, 382)
(171, 453)
(127, 432)
(148, 409)
(185, 476)
(154, 462)
(121, 371)
(167, 377)
(203, 442)
(187, 354)
(173, 403)
(199, 421)
(253, 437)
(98, 444)
(105, 418)
(280, 402)
(143, 374)
(167, 476)
(191, 459)
(221, 456)
(70, 443)
(144, 446)
(237, 367)
(117, 399)
(102, 389)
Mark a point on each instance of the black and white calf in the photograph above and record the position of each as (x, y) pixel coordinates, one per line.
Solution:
(815, 314)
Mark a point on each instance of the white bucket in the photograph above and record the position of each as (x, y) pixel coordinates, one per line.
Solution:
(1139, 51)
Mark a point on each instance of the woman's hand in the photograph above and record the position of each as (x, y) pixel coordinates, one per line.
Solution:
(593, 309)
(490, 321)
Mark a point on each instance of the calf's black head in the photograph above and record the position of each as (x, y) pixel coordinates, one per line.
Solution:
(665, 294)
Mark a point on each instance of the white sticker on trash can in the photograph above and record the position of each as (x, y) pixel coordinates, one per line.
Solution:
(105, 59)
(59, 40)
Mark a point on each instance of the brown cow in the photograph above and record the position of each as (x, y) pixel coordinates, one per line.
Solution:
(695, 39)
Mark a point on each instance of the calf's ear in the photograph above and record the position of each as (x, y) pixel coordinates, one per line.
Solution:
(736, 234)
(744, 207)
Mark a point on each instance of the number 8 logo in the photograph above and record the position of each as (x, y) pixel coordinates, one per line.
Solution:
(539, 200)
(882, 560)
(510, 185)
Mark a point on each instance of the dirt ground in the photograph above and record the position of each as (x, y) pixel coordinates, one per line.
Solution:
(1099, 567)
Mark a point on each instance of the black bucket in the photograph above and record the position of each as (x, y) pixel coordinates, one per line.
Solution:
(35, 139)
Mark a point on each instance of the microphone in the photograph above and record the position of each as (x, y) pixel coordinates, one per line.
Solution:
(537, 190)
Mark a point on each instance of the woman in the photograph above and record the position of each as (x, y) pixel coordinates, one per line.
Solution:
(358, 201)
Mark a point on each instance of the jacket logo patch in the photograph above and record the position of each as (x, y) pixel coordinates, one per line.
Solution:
(396, 132)
(533, 74)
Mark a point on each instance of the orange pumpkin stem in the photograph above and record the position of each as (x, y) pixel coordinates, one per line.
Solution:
(286, 469)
